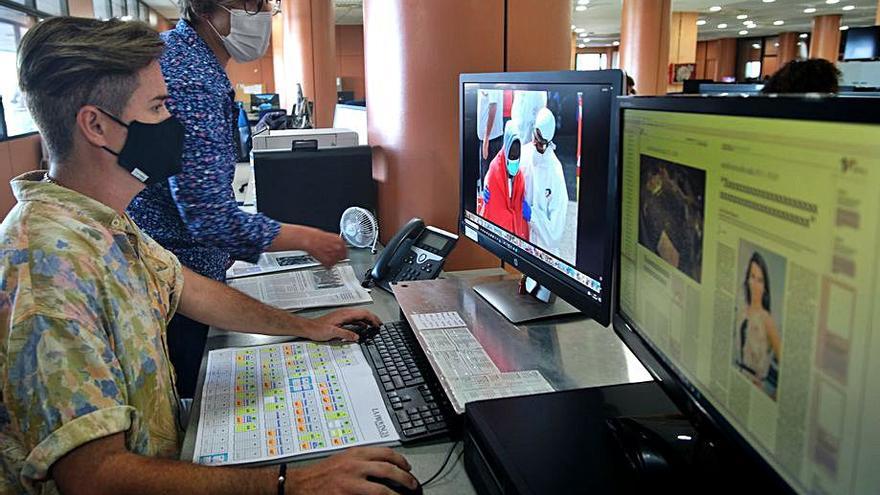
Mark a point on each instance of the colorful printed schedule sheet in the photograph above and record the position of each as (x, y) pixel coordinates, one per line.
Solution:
(282, 400)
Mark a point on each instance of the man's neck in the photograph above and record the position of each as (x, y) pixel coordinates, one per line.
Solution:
(114, 188)
(212, 39)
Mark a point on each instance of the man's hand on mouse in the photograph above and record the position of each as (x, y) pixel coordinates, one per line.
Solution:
(329, 326)
(346, 473)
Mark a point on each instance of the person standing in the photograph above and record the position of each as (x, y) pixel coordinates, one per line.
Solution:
(546, 191)
(504, 193)
(490, 128)
(194, 214)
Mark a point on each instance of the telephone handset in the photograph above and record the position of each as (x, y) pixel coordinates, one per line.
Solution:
(416, 252)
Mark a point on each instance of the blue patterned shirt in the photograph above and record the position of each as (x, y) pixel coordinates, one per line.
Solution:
(194, 214)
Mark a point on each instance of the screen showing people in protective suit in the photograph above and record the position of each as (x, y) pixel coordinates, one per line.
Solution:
(536, 170)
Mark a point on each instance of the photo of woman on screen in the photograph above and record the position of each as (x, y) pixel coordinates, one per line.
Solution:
(758, 341)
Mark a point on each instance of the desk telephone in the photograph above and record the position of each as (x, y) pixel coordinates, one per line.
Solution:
(417, 252)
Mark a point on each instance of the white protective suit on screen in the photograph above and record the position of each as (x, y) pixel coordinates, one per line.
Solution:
(546, 191)
(524, 110)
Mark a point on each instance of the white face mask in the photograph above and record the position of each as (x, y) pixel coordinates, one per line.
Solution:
(248, 34)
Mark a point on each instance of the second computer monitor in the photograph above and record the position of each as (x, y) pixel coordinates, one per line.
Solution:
(538, 180)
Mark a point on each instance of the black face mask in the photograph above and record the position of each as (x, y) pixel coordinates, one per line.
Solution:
(152, 152)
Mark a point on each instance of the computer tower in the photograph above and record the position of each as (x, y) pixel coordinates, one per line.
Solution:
(314, 186)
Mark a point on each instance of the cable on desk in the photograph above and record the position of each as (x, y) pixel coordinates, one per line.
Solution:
(443, 466)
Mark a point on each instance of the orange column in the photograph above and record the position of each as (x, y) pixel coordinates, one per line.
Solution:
(877, 15)
(644, 43)
(825, 40)
(81, 8)
(414, 52)
(682, 42)
(787, 48)
(308, 56)
(538, 35)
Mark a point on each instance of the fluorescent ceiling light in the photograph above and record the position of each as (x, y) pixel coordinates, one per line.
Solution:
(803, 35)
(742, 16)
(844, 28)
(581, 8)
(832, 2)
(722, 26)
(615, 43)
(778, 23)
(701, 22)
(714, 8)
(809, 10)
(849, 7)
(579, 30)
(583, 2)
(743, 32)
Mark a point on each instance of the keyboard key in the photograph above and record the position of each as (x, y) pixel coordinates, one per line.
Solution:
(414, 381)
(429, 420)
(397, 405)
(424, 408)
(413, 410)
(439, 425)
(402, 416)
(418, 422)
(405, 426)
(388, 386)
(398, 383)
(411, 432)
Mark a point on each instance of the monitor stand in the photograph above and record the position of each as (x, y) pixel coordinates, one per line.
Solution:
(505, 297)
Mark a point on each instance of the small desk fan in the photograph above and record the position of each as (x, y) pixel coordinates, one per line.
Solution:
(359, 228)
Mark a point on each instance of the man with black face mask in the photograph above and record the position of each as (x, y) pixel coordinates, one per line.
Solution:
(87, 396)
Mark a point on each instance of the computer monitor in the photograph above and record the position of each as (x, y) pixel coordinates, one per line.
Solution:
(264, 101)
(748, 275)
(552, 216)
(862, 43)
(352, 117)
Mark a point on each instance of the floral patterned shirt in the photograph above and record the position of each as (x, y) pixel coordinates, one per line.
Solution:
(194, 213)
(83, 355)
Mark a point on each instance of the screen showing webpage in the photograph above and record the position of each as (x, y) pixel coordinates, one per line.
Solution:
(749, 262)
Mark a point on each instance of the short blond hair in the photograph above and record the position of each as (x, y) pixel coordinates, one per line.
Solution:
(65, 63)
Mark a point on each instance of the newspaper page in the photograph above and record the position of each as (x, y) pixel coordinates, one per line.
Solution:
(313, 288)
(280, 261)
(285, 400)
(469, 371)
(749, 259)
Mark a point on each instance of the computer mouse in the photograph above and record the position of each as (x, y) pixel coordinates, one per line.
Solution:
(395, 486)
(363, 330)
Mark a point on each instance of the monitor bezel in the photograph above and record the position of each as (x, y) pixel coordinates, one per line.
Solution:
(556, 282)
(704, 416)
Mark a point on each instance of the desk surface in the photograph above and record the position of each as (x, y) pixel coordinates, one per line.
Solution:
(578, 352)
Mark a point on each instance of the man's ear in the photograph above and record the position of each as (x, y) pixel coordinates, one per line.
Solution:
(93, 125)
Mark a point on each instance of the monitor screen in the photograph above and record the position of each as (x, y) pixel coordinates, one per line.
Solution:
(264, 101)
(748, 265)
(354, 118)
(862, 43)
(536, 179)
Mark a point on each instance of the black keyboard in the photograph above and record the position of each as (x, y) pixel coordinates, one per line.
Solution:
(412, 392)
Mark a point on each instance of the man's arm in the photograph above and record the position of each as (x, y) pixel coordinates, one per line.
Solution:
(216, 304)
(104, 466)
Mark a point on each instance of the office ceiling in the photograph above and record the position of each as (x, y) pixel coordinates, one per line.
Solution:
(600, 19)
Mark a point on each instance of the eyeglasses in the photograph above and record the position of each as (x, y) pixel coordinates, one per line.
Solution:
(275, 7)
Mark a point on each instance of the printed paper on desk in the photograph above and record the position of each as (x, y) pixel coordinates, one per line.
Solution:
(285, 400)
(313, 288)
(428, 321)
(280, 261)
